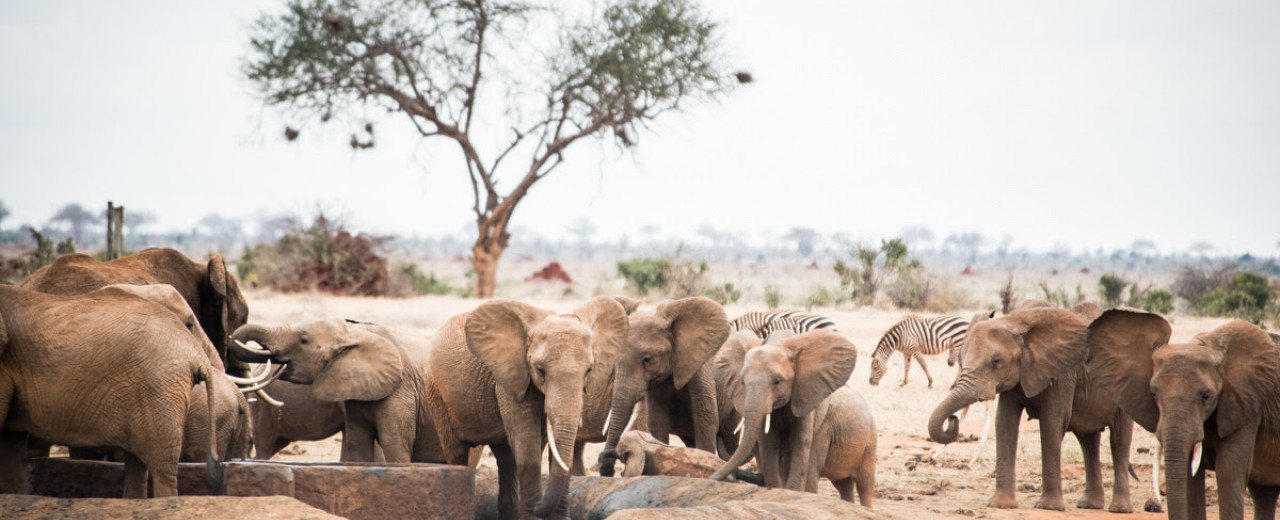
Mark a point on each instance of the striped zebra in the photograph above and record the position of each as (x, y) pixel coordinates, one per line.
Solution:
(916, 337)
(762, 323)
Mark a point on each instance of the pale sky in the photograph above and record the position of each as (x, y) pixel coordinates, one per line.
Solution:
(1089, 124)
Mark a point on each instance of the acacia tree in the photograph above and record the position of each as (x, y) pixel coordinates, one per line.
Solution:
(448, 64)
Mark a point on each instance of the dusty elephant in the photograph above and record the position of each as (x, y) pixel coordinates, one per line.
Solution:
(1220, 391)
(302, 418)
(379, 377)
(1033, 359)
(53, 351)
(642, 454)
(513, 376)
(798, 415)
(665, 362)
(209, 289)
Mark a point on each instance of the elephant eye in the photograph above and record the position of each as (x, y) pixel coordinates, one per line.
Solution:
(1205, 395)
(303, 341)
(542, 373)
(588, 370)
(647, 358)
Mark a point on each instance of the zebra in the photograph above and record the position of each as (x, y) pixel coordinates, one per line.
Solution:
(916, 337)
(763, 322)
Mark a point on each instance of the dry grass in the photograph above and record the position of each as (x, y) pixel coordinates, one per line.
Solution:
(906, 488)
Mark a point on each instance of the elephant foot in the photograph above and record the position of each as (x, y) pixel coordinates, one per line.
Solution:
(1090, 502)
(1054, 503)
(1153, 506)
(1003, 501)
(1120, 506)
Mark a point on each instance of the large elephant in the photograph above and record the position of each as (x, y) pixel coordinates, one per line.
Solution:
(513, 376)
(798, 416)
(1220, 391)
(302, 418)
(665, 362)
(209, 289)
(1033, 359)
(379, 377)
(101, 369)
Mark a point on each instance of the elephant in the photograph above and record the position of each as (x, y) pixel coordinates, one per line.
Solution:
(1033, 359)
(302, 418)
(508, 375)
(665, 362)
(642, 454)
(1220, 391)
(209, 289)
(105, 368)
(378, 376)
(823, 429)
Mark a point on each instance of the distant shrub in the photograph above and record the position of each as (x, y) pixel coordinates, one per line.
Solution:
(824, 297)
(863, 278)
(1193, 282)
(912, 289)
(1111, 288)
(1060, 297)
(323, 257)
(422, 284)
(724, 294)
(1246, 297)
(645, 274)
(772, 297)
(15, 270)
(1006, 295)
(1158, 301)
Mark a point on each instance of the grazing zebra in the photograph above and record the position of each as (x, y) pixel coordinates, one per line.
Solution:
(916, 337)
(762, 323)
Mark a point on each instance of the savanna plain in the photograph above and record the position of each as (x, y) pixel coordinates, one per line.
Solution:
(909, 483)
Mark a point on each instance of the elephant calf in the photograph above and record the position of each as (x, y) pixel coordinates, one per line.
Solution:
(642, 454)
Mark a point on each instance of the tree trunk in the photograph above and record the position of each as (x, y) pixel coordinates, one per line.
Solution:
(484, 258)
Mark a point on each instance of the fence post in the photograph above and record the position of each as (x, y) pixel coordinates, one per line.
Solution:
(115, 231)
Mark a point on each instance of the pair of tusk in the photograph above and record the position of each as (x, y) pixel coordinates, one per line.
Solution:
(1195, 459)
(555, 452)
(263, 384)
(255, 377)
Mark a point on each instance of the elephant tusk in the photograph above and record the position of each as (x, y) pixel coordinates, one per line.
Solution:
(253, 350)
(607, 418)
(1195, 459)
(551, 440)
(263, 384)
(1155, 472)
(270, 400)
(631, 420)
(766, 423)
(738, 430)
(255, 377)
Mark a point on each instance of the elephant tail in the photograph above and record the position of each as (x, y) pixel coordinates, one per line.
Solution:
(217, 478)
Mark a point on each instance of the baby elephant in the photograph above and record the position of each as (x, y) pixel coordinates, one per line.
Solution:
(642, 454)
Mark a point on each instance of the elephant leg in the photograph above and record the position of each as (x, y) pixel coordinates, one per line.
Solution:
(659, 416)
(13, 469)
(1264, 501)
(768, 455)
(135, 476)
(396, 433)
(817, 459)
(1052, 430)
(799, 448)
(1195, 496)
(357, 441)
(706, 411)
(162, 465)
(1121, 434)
(1008, 414)
(507, 506)
(579, 468)
(844, 486)
(1091, 446)
(1232, 460)
(924, 366)
(866, 479)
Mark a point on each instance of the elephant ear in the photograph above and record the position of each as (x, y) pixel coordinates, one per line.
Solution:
(608, 323)
(698, 327)
(728, 366)
(628, 304)
(1120, 345)
(219, 280)
(4, 336)
(498, 334)
(824, 361)
(367, 367)
(1251, 372)
(1054, 341)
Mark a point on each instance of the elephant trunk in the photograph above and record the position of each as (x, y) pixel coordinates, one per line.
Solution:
(564, 413)
(961, 395)
(753, 423)
(625, 396)
(1176, 476)
(256, 333)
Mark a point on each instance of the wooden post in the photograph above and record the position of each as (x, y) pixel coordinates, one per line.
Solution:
(115, 231)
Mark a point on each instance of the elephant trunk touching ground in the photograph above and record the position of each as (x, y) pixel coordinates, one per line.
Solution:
(564, 414)
(627, 391)
(1175, 460)
(753, 422)
(962, 395)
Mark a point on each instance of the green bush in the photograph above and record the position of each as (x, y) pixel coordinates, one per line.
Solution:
(863, 279)
(645, 274)
(424, 284)
(1111, 288)
(912, 289)
(724, 294)
(1246, 297)
(772, 297)
(1158, 300)
(1060, 297)
(824, 297)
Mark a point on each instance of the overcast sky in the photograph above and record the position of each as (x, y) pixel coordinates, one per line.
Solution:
(1089, 124)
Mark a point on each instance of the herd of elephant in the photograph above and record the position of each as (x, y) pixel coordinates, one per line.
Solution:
(141, 357)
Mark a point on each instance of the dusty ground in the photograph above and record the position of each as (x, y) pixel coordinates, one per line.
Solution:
(946, 488)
